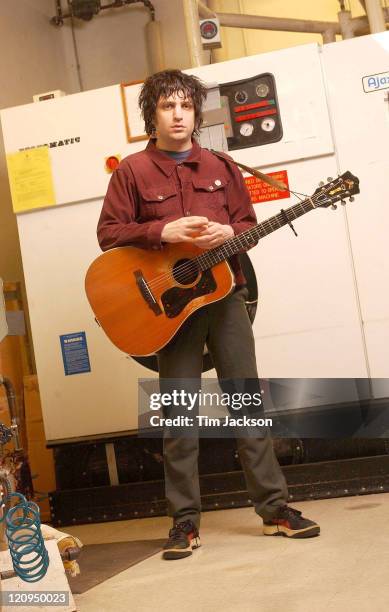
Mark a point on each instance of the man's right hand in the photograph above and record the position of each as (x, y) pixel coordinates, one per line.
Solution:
(184, 230)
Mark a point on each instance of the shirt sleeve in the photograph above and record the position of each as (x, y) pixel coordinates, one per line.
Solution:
(117, 224)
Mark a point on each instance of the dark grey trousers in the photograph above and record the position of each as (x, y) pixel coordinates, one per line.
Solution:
(226, 329)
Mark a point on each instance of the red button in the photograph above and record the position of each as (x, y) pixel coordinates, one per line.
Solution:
(111, 163)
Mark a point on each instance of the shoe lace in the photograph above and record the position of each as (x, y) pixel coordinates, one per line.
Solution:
(175, 533)
(291, 511)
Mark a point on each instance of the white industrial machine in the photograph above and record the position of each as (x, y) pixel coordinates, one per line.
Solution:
(305, 113)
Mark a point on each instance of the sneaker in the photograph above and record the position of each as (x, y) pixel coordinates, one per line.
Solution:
(183, 538)
(290, 523)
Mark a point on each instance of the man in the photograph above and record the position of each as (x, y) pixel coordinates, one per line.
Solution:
(175, 191)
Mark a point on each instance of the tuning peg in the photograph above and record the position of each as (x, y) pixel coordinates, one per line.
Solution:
(351, 199)
(343, 202)
(333, 206)
(321, 183)
(329, 178)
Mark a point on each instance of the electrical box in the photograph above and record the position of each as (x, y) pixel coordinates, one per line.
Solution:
(210, 33)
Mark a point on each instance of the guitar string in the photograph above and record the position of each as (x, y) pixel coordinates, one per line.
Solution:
(191, 266)
(187, 267)
(184, 269)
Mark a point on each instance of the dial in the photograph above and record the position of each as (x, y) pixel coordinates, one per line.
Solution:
(262, 90)
(268, 124)
(246, 129)
(241, 96)
(208, 29)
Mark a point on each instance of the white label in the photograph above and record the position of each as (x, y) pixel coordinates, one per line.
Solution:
(375, 82)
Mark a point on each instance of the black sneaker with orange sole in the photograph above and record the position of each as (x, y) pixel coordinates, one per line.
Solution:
(183, 539)
(290, 523)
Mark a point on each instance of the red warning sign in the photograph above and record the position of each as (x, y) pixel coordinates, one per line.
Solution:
(262, 192)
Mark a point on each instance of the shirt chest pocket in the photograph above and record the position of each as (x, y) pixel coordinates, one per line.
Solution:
(158, 203)
(210, 193)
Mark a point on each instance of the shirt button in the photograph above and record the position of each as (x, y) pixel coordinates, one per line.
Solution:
(160, 197)
(218, 183)
(210, 188)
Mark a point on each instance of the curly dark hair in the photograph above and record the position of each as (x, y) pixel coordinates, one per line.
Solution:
(165, 84)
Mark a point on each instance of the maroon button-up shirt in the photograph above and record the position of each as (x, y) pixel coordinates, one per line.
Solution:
(150, 189)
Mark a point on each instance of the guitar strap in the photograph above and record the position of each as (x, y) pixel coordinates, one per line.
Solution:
(260, 175)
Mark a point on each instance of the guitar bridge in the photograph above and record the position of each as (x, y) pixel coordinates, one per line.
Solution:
(147, 293)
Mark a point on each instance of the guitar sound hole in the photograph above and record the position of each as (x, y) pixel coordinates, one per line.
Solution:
(185, 271)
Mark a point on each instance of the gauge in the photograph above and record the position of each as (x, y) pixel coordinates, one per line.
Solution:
(241, 96)
(246, 129)
(208, 29)
(268, 124)
(262, 90)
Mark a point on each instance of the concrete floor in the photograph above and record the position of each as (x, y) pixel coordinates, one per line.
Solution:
(237, 568)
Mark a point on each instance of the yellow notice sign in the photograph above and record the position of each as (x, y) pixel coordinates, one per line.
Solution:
(31, 179)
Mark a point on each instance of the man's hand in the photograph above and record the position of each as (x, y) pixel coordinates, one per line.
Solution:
(184, 229)
(213, 235)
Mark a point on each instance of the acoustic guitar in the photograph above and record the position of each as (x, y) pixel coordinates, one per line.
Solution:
(142, 297)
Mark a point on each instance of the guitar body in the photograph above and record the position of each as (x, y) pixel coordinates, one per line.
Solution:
(142, 297)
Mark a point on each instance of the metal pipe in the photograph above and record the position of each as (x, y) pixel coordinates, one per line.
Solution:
(360, 25)
(13, 412)
(346, 25)
(191, 17)
(329, 36)
(155, 46)
(233, 20)
(60, 16)
(204, 11)
(76, 55)
(375, 15)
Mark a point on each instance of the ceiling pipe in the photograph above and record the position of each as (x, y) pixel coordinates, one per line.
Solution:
(205, 12)
(375, 15)
(234, 20)
(347, 26)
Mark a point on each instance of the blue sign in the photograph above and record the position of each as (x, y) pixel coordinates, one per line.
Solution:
(75, 353)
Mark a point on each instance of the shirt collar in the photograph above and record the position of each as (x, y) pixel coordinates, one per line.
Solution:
(167, 164)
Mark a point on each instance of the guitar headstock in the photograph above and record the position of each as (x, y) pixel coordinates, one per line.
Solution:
(336, 190)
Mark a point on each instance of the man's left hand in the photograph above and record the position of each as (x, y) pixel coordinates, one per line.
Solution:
(214, 235)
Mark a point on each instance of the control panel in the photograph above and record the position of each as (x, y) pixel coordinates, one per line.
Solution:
(253, 113)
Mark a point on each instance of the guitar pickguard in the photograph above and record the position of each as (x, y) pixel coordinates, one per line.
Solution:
(175, 299)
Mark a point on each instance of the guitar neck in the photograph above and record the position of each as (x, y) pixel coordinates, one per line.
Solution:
(249, 238)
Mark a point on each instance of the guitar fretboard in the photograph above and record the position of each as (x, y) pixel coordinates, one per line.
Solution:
(249, 238)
